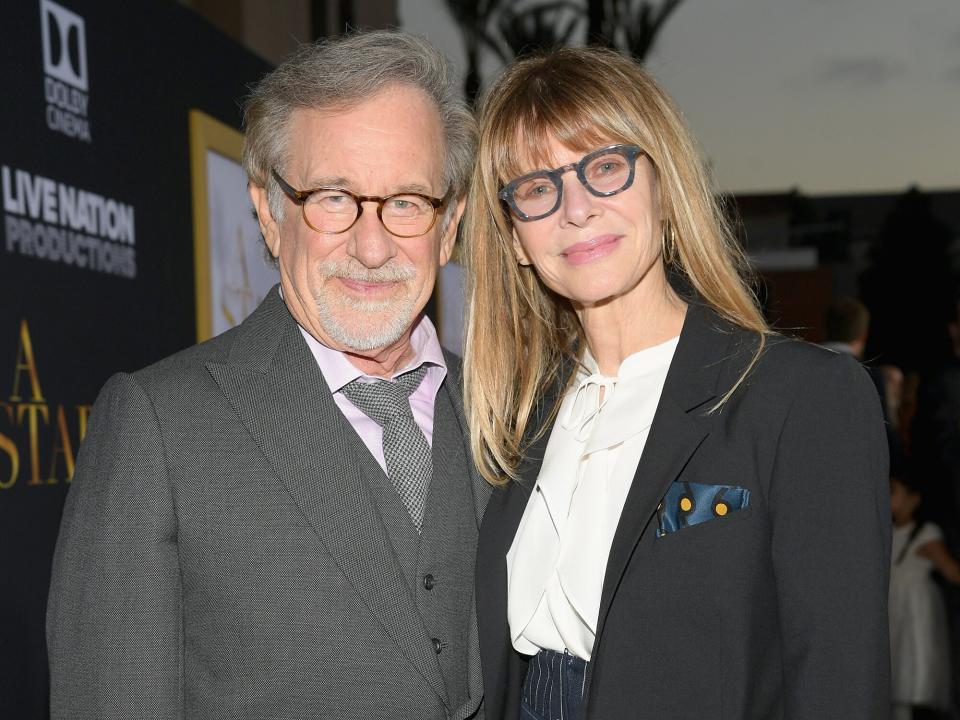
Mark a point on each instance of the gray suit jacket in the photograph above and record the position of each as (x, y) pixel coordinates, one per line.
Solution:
(221, 554)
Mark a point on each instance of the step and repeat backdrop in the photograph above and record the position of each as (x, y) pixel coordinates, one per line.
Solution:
(124, 237)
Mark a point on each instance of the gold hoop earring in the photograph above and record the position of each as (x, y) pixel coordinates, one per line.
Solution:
(668, 243)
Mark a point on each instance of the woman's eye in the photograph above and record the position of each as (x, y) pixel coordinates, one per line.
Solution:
(608, 166)
(538, 190)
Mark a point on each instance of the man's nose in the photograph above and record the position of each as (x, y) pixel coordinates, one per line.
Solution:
(370, 243)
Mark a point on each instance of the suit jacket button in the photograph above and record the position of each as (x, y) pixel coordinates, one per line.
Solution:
(437, 645)
(428, 581)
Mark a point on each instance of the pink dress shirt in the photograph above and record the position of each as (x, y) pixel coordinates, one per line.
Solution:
(337, 370)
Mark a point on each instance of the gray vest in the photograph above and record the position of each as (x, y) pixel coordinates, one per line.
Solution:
(438, 564)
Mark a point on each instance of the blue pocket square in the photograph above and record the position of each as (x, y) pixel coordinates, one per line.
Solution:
(690, 503)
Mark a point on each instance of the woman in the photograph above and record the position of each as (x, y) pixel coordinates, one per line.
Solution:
(692, 518)
(919, 629)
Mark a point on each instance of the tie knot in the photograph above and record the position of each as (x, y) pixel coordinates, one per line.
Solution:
(383, 400)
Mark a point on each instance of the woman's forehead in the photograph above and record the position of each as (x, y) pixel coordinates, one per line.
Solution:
(539, 150)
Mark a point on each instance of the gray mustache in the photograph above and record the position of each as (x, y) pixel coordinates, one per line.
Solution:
(351, 270)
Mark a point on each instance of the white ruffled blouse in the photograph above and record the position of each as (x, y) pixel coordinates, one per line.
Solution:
(556, 564)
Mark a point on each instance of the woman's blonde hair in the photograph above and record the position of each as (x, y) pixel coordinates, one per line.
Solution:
(521, 338)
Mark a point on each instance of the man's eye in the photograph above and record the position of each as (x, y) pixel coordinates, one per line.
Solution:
(333, 201)
(406, 206)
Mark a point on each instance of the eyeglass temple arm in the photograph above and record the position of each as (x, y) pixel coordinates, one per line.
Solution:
(297, 196)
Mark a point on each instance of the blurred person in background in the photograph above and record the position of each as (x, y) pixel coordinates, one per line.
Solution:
(847, 327)
(919, 633)
(936, 425)
(935, 447)
(847, 331)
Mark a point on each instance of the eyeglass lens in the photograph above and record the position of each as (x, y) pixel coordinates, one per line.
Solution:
(605, 173)
(333, 211)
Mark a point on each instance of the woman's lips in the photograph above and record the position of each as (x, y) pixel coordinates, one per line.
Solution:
(592, 249)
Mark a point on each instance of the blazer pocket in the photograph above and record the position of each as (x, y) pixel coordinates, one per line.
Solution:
(688, 503)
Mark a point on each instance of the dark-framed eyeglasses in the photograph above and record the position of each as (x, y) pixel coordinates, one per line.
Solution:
(603, 172)
(332, 210)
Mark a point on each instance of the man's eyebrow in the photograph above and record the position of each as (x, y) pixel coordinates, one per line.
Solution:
(414, 188)
(329, 181)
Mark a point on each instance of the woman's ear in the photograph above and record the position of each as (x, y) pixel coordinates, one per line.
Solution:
(518, 250)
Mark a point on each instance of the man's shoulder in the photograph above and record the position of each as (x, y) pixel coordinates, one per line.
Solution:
(256, 336)
(191, 360)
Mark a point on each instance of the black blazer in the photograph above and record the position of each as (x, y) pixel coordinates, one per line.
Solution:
(777, 610)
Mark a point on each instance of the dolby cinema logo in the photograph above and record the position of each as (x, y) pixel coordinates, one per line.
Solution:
(66, 83)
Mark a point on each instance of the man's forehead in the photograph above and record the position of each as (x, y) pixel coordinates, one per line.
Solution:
(394, 137)
(391, 112)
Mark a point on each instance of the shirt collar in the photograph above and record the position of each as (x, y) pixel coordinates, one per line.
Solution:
(337, 370)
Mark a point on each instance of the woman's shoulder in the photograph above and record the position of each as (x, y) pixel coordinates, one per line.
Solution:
(785, 354)
(791, 354)
(781, 366)
(770, 351)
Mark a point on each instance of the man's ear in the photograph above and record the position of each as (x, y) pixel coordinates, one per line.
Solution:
(449, 236)
(268, 226)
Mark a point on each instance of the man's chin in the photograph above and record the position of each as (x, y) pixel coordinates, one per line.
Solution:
(364, 333)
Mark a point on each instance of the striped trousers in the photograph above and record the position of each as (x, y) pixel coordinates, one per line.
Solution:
(553, 688)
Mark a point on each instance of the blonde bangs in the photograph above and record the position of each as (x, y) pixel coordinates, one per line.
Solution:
(518, 123)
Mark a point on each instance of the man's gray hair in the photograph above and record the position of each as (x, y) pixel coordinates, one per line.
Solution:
(341, 72)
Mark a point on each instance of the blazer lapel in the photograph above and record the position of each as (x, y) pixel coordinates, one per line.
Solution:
(507, 505)
(500, 523)
(277, 390)
(677, 431)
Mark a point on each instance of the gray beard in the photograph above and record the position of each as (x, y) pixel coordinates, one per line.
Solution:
(369, 324)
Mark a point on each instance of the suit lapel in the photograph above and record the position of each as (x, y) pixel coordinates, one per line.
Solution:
(453, 386)
(274, 385)
(677, 431)
(482, 490)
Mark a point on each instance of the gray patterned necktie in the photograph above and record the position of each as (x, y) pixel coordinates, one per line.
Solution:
(405, 449)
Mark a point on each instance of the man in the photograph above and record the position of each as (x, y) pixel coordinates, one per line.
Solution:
(935, 435)
(848, 327)
(281, 522)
